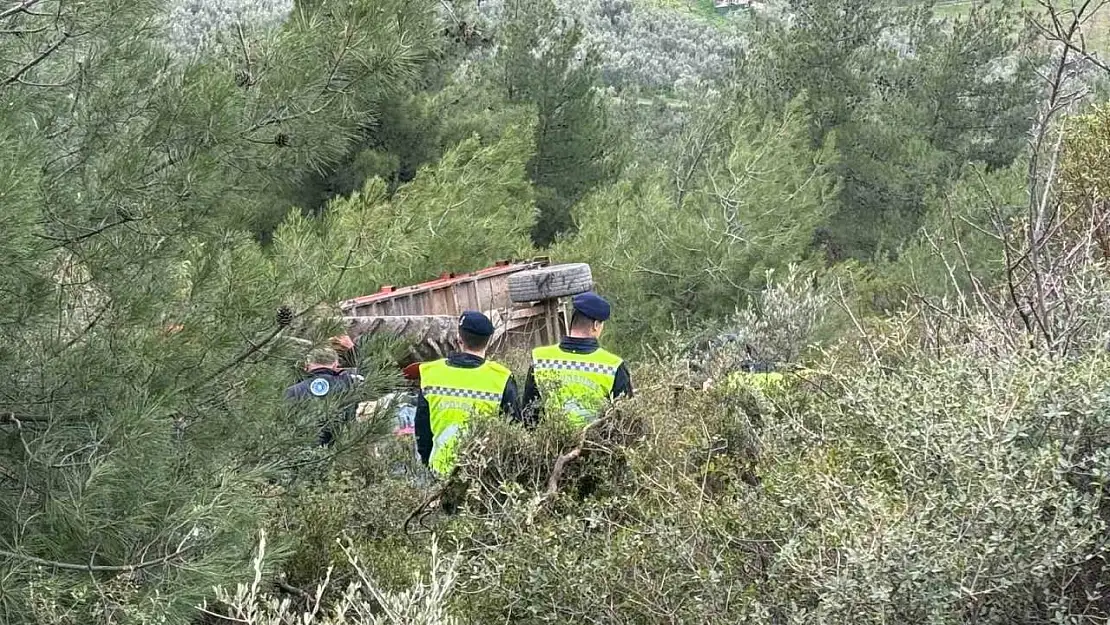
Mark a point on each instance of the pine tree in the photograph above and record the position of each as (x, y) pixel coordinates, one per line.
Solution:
(679, 255)
(472, 208)
(910, 98)
(545, 63)
(141, 407)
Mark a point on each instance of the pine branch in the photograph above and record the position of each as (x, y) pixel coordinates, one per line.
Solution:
(39, 59)
(19, 8)
(94, 568)
(312, 109)
(254, 348)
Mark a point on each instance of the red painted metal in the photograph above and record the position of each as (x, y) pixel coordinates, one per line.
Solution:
(523, 325)
(446, 279)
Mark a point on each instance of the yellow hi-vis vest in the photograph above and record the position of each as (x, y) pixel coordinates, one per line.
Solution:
(576, 384)
(455, 395)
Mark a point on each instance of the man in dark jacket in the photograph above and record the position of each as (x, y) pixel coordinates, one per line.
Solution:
(452, 390)
(576, 376)
(325, 381)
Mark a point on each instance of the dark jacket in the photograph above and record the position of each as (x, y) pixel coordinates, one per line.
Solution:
(622, 383)
(422, 425)
(338, 383)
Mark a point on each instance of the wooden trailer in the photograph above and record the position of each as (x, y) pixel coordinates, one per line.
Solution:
(428, 312)
(525, 300)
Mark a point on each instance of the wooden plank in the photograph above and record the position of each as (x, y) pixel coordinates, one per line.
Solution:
(487, 294)
(526, 313)
(499, 293)
(466, 297)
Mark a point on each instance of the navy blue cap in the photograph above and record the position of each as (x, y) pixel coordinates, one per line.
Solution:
(475, 322)
(592, 306)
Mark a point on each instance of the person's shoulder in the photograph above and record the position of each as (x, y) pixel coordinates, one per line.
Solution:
(297, 391)
(545, 350)
(349, 377)
(613, 359)
(432, 364)
(499, 368)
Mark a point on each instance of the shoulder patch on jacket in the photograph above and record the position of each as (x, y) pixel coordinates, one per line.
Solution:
(319, 387)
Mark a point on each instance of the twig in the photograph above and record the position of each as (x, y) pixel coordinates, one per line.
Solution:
(239, 359)
(246, 53)
(222, 617)
(19, 8)
(1081, 51)
(63, 241)
(436, 494)
(562, 461)
(39, 59)
(95, 568)
(843, 303)
(557, 471)
(293, 590)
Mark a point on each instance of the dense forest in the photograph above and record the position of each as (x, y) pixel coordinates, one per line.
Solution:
(910, 200)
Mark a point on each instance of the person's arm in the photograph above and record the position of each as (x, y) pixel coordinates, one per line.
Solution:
(422, 427)
(325, 437)
(349, 396)
(291, 393)
(510, 401)
(529, 404)
(622, 382)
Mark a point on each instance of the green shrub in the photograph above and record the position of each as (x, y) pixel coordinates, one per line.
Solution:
(959, 487)
(365, 496)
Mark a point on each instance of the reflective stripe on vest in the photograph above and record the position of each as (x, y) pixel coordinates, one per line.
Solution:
(576, 384)
(454, 396)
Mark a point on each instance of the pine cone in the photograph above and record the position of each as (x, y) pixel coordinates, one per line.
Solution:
(243, 78)
(281, 140)
(284, 316)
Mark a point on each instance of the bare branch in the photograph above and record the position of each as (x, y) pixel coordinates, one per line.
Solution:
(39, 59)
(562, 461)
(95, 568)
(19, 8)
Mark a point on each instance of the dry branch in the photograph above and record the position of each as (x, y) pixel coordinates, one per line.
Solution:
(95, 568)
(431, 498)
(35, 61)
(564, 460)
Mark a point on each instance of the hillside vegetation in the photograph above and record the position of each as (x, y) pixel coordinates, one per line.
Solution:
(907, 213)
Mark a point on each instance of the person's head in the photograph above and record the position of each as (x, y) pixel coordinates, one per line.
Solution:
(475, 330)
(591, 311)
(322, 358)
(341, 343)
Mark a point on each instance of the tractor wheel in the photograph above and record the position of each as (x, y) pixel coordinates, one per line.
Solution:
(537, 285)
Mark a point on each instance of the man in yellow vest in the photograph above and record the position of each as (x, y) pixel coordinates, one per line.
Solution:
(455, 389)
(576, 377)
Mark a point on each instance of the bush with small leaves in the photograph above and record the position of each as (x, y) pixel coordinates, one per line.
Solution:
(363, 601)
(781, 323)
(958, 486)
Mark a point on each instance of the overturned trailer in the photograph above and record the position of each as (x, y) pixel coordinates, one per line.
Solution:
(525, 300)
